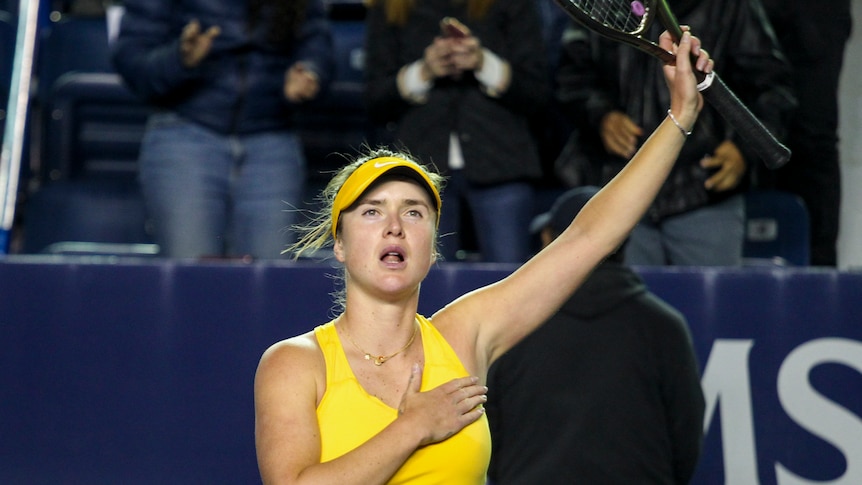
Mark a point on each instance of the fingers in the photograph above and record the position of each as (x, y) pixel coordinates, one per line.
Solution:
(448, 56)
(467, 53)
(620, 134)
(465, 393)
(456, 384)
(468, 400)
(194, 44)
(693, 46)
(730, 165)
(685, 100)
(443, 410)
(300, 84)
(191, 30)
(683, 51)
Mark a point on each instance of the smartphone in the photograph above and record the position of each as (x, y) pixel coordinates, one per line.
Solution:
(452, 27)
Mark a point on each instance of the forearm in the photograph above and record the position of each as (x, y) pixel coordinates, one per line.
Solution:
(615, 211)
(373, 462)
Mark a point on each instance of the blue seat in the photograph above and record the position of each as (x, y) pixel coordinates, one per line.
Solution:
(72, 44)
(92, 126)
(10, 6)
(95, 127)
(777, 229)
(90, 195)
(96, 216)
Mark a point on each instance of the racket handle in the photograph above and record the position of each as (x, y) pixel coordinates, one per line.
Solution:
(771, 151)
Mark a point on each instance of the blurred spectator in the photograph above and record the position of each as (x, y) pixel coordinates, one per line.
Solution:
(93, 8)
(814, 36)
(615, 95)
(607, 391)
(221, 165)
(463, 102)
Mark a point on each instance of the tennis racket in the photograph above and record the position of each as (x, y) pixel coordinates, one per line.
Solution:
(628, 20)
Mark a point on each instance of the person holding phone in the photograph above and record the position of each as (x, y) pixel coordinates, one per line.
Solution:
(382, 394)
(456, 85)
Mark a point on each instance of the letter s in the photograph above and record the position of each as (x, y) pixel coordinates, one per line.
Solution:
(817, 414)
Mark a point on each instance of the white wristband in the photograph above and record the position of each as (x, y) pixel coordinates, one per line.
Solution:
(707, 81)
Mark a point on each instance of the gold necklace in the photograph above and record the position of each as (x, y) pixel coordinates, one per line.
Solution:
(381, 359)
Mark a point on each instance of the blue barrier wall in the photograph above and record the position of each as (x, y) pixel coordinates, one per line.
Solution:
(116, 371)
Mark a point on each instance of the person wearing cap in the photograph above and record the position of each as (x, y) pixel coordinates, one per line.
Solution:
(382, 394)
(621, 401)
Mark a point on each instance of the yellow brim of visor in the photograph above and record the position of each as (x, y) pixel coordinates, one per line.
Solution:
(367, 173)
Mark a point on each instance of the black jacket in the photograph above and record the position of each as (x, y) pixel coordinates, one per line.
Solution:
(597, 76)
(605, 392)
(494, 133)
(238, 88)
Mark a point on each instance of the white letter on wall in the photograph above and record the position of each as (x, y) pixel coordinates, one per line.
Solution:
(726, 381)
(817, 414)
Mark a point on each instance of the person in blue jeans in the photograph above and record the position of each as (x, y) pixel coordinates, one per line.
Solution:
(614, 99)
(221, 164)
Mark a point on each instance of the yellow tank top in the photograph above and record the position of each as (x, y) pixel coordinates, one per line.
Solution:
(349, 416)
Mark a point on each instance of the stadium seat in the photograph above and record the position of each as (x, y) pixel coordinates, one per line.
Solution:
(90, 195)
(72, 44)
(777, 229)
(8, 6)
(94, 127)
(87, 198)
(88, 216)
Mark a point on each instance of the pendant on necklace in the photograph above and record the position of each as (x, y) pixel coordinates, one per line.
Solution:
(379, 360)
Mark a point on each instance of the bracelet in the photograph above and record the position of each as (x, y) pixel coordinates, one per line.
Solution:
(682, 130)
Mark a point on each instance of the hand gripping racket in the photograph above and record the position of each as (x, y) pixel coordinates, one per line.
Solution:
(627, 20)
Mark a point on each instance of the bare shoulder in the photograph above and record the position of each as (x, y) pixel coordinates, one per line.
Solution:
(294, 360)
(288, 385)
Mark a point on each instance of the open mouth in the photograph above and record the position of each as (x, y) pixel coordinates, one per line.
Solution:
(392, 256)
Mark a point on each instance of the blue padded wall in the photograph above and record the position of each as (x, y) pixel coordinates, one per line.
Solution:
(140, 371)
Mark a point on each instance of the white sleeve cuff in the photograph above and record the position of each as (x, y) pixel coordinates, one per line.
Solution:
(494, 75)
(411, 85)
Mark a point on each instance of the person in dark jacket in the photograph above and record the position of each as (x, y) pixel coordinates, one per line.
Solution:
(614, 98)
(463, 102)
(809, 32)
(221, 165)
(607, 391)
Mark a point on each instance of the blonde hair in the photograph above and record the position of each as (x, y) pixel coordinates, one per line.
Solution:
(398, 11)
(317, 233)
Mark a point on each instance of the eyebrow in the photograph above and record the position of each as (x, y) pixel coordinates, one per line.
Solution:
(407, 202)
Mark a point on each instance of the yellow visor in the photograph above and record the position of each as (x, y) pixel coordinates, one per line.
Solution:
(367, 173)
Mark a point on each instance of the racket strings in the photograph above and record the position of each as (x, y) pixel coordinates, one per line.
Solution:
(621, 15)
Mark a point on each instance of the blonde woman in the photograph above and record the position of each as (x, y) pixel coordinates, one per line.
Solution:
(382, 394)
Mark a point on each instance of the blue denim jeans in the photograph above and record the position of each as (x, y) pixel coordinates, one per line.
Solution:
(709, 236)
(215, 195)
(501, 219)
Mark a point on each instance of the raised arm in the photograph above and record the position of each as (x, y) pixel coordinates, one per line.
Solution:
(503, 313)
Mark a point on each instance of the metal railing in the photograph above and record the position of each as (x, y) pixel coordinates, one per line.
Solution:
(12, 153)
